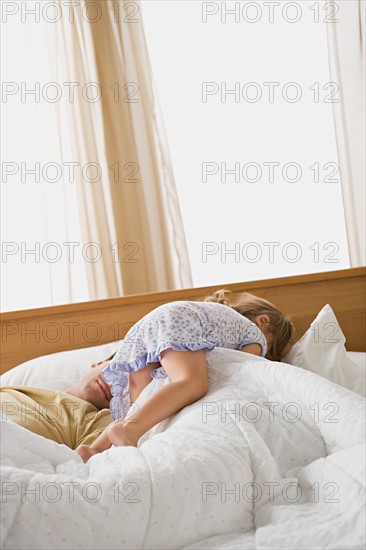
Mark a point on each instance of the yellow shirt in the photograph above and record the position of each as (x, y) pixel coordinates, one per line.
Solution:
(54, 414)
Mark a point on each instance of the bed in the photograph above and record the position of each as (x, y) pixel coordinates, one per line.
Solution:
(272, 457)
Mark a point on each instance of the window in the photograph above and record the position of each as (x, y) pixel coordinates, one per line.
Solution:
(247, 105)
(39, 217)
(246, 96)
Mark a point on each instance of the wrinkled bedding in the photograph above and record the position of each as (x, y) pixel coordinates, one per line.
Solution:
(272, 457)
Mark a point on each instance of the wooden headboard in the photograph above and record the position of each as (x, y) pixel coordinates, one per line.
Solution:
(31, 333)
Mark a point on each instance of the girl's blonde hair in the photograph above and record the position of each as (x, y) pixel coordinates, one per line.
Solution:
(250, 306)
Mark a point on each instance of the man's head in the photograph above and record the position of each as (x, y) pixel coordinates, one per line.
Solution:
(93, 388)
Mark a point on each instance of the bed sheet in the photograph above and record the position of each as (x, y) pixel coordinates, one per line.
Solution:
(272, 457)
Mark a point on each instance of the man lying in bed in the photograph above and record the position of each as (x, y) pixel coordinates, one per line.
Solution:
(74, 417)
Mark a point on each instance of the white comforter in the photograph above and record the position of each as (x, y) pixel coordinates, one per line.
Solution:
(272, 457)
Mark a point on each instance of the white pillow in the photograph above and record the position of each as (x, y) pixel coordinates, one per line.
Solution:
(57, 371)
(359, 359)
(322, 350)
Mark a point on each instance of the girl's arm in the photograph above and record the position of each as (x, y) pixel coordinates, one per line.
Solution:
(255, 349)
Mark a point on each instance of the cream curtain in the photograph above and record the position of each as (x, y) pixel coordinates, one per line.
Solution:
(346, 46)
(126, 192)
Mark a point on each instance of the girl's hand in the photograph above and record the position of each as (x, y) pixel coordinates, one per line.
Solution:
(86, 452)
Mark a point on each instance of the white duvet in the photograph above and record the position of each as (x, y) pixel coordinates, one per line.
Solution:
(272, 457)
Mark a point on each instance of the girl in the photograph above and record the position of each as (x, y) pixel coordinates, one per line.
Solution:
(171, 341)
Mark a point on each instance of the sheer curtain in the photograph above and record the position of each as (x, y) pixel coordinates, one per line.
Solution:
(39, 211)
(346, 44)
(127, 201)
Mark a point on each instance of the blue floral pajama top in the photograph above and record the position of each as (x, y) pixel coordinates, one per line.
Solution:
(181, 326)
